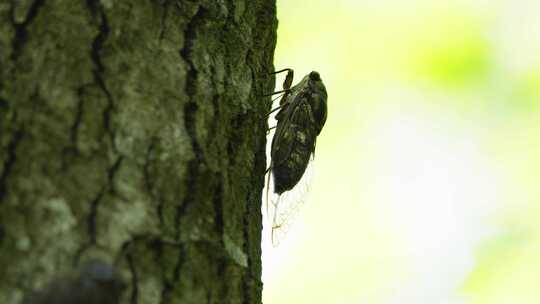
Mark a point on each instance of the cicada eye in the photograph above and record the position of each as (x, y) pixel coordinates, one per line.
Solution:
(314, 76)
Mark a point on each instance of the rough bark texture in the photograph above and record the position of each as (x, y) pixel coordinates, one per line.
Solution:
(134, 132)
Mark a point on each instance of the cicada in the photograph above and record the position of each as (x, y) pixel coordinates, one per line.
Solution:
(301, 117)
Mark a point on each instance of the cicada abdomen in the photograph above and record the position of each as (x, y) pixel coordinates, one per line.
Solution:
(301, 117)
(283, 208)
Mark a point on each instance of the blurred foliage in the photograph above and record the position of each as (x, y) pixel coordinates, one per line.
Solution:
(426, 185)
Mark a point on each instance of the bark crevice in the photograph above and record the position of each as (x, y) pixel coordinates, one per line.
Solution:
(111, 174)
(21, 29)
(74, 130)
(168, 286)
(134, 279)
(97, 11)
(218, 207)
(190, 113)
(165, 5)
(149, 185)
(92, 219)
(9, 162)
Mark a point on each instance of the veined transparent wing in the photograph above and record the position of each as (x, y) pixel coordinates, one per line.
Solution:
(282, 209)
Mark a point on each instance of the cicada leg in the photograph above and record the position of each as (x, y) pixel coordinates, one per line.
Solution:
(273, 110)
(270, 113)
(269, 174)
(285, 93)
(287, 83)
(274, 226)
(270, 129)
(274, 241)
(276, 92)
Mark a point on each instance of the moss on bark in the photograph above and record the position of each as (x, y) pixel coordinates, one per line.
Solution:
(134, 132)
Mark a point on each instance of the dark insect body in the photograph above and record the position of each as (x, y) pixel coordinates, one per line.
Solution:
(299, 121)
(301, 117)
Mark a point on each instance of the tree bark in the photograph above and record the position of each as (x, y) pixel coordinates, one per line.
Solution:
(134, 132)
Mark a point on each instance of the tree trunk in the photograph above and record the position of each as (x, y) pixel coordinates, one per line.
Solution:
(133, 132)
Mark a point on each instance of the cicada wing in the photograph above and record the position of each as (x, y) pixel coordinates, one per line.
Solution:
(279, 150)
(283, 139)
(283, 209)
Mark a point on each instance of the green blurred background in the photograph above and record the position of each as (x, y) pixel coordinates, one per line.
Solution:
(427, 174)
